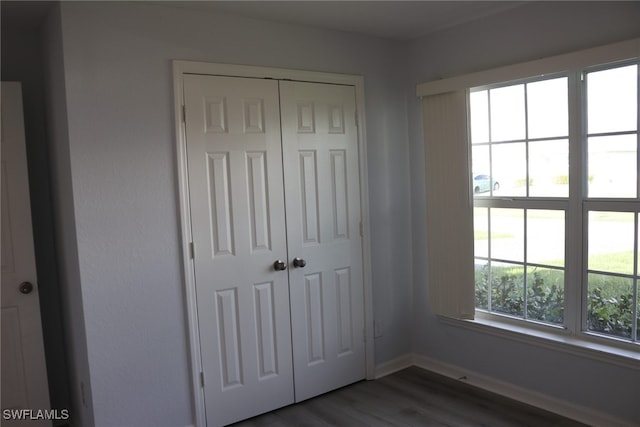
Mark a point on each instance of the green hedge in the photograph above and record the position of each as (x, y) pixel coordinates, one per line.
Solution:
(606, 313)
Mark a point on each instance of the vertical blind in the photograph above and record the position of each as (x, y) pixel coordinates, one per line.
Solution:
(449, 207)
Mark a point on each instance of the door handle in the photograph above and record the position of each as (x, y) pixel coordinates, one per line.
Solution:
(25, 288)
(279, 265)
(299, 262)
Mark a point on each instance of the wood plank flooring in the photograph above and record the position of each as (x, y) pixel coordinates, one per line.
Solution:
(411, 397)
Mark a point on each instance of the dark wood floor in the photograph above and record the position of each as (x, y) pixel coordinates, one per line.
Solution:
(411, 397)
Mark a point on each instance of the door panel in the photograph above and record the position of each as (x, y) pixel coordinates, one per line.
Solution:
(238, 221)
(24, 375)
(320, 150)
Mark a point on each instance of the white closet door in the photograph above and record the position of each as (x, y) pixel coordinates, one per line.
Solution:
(320, 151)
(238, 222)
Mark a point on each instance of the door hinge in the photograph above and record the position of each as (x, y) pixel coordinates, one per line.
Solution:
(357, 122)
(192, 250)
(202, 379)
(361, 229)
(184, 114)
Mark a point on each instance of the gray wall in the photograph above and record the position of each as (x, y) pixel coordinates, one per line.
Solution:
(64, 219)
(114, 175)
(122, 165)
(526, 33)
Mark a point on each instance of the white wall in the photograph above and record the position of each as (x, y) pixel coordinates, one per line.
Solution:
(528, 32)
(123, 184)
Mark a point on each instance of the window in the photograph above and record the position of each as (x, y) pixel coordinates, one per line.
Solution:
(611, 208)
(556, 199)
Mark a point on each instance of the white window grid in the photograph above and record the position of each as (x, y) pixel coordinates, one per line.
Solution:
(576, 207)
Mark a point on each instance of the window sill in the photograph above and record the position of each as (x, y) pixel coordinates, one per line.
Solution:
(554, 338)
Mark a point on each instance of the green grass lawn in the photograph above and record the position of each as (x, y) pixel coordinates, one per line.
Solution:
(484, 235)
(611, 216)
(617, 262)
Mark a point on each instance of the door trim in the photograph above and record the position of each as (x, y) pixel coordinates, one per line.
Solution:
(180, 68)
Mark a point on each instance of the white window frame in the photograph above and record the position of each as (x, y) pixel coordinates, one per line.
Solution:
(572, 337)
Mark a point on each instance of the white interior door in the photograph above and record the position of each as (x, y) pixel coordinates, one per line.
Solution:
(320, 147)
(24, 375)
(264, 323)
(238, 226)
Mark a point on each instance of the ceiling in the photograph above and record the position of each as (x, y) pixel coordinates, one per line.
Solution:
(23, 14)
(395, 20)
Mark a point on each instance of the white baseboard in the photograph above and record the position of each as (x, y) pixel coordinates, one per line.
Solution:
(394, 365)
(503, 388)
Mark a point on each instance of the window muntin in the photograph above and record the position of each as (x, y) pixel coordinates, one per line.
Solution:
(521, 227)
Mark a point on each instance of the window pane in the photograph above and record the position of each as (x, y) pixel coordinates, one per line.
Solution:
(549, 168)
(479, 103)
(482, 284)
(507, 113)
(547, 108)
(481, 169)
(612, 166)
(612, 102)
(481, 232)
(509, 163)
(611, 242)
(545, 294)
(545, 237)
(610, 305)
(507, 289)
(507, 234)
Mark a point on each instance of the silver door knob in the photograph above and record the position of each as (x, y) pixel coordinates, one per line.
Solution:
(299, 262)
(25, 288)
(279, 265)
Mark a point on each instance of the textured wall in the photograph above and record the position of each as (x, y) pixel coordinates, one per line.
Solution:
(117, 177)
(123, 171)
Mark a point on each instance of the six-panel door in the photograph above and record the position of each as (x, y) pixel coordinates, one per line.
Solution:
(320, 149)
(238, 227)
(260, 326)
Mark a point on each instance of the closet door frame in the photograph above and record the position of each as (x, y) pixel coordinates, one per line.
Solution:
(180, 69)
